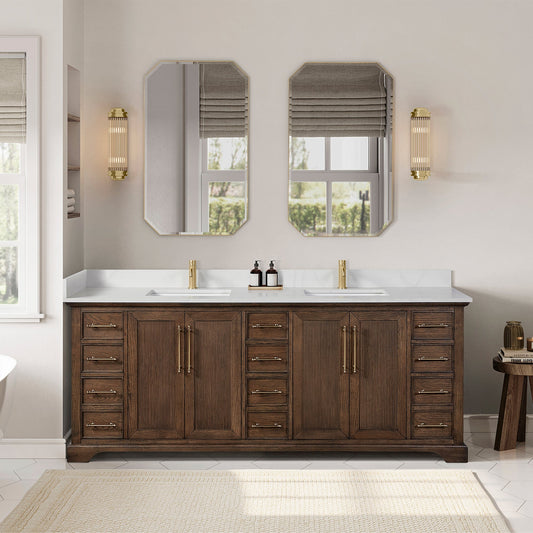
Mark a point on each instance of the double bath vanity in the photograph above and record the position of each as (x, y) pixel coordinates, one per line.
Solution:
(158, 367)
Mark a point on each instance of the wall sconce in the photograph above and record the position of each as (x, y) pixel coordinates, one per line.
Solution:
(118, 143)
(420, 155)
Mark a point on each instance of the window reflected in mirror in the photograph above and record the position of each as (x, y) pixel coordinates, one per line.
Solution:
(340, 149)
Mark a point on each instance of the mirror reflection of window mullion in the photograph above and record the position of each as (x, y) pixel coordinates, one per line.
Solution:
(327, 154)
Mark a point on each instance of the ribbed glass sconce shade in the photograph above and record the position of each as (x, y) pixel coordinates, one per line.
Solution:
(118, 143)
(420, 138)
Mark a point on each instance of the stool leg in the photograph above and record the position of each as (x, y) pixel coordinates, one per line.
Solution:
(509, 417)
(521, 437)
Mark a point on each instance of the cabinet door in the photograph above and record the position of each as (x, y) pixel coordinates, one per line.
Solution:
(378, 381)
(155, 375)
(320, 375)
(213, 375)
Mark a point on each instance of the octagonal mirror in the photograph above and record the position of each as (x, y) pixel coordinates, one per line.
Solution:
(340, 149)
(196, 148)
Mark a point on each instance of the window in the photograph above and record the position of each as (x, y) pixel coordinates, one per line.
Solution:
(224, 184)
(333, 182)
(19, 179)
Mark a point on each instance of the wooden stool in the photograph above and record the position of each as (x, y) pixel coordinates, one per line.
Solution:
(512, 417)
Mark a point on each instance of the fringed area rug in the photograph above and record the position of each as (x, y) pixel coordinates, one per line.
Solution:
(266, 501)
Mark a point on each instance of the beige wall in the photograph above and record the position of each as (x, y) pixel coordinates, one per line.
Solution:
(33, 403)
(466, 61)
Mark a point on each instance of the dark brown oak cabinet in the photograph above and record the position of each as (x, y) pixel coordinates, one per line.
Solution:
(228, 377)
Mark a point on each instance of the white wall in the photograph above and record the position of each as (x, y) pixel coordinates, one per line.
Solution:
(466, 61)
(34, 394)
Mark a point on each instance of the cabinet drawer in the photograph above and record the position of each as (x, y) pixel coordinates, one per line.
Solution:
(271, 326)
(267, 425)
(267, 392)
(432, 358)
(266, 358)
(434, 325)
(102, 358)
(102, 325)
(431, 391)
(99, 425)
(431, 424)
(100, 391)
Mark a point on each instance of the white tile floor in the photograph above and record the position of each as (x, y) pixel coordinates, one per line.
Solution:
(507, 476)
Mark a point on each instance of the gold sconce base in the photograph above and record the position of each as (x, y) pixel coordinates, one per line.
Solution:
(420, 174)
(118, 175)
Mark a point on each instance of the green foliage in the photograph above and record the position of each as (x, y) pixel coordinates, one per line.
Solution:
(226, 215)
(309, 217)
(299, 155)
(9, 158)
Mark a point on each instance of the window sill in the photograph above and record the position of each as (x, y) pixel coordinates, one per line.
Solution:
(22, 317)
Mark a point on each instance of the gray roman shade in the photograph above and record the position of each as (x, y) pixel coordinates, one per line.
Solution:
(223, 101)
(340, 100)
(12, 98)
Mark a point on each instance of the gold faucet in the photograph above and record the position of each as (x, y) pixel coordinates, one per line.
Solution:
(342, 273)
(192, 274)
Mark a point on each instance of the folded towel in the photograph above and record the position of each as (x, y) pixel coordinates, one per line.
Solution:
(71, 201)
(70, 209)
(71, 193)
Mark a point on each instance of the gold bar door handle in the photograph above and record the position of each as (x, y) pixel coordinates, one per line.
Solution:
(102, 359)
(109, 426)
(189, 333)
(269, 426)
(259, 358)
(179, 350)
(424, 425)
(344, 350)
(110, 325)
(424, 358)
(354, 335)
(441, 391)
(267, 325)
(275, 391)
(441, 325)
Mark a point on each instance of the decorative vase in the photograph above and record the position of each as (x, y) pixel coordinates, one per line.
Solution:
(513, 335)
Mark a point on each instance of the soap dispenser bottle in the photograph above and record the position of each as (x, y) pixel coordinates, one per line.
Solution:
(256, 275)
(272, 276)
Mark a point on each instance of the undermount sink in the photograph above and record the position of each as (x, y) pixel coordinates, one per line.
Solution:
(194, 293)
(345, 292)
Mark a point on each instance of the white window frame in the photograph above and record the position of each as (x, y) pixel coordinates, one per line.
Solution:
(28, 307)
(209, 176)
(371, 176)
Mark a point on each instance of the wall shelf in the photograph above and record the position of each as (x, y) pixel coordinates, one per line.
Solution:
(73, 182)
(73, 215)
(73, 118)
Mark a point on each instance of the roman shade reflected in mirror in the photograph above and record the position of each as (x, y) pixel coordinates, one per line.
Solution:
(340, 128)
(196, 148)
(12, 98)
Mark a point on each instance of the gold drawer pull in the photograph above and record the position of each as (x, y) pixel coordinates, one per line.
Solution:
(109, 426)
(266, 359)
(267, 325)
(110, 325)
(441, 325)
(344, 350)
(424, 425)
(441, 391)
(271, 426)
(107, 359)
(275, 391)
(110, 391)
(441, 358)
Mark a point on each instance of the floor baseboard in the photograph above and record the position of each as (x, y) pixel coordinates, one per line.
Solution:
(32, 449)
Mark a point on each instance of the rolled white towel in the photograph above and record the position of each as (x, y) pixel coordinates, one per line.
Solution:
(70, 209)
(71, 201)
(71, 193)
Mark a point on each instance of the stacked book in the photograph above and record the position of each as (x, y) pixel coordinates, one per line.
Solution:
(515, 356)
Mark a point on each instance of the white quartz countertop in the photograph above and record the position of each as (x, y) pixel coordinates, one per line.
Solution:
(374, 286)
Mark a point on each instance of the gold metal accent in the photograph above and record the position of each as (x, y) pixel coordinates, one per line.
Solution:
(263, 288)
(118, 143)
(92, 425)
(423, 425)
(275, 391)
(179, 349)
(272, 426)
(106, 359)
(441, 358)
(344, 349)
(420, 143)
(420, 175)
(189, 332)
(441, 325)
(354, 335)
(420, 112)
(342, 274)
(110, 391)
(192, 274)
(441, 391)
(266, 359)
(267, 325)
(110, 325)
